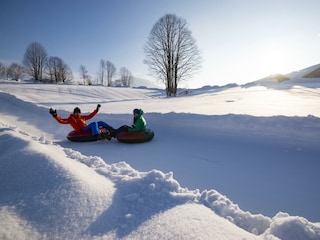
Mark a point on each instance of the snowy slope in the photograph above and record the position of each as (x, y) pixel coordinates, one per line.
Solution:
(173, 187)
(293, 79)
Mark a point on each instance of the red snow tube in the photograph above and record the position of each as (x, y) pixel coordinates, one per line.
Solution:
(81, 136)
(136, 137)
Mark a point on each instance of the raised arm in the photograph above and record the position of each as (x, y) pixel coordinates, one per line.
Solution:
(54, 114)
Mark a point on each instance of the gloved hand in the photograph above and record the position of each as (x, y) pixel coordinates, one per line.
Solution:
(98, 107)
(53, 112)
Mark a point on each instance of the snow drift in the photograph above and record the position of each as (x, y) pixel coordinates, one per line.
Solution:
(50, 192)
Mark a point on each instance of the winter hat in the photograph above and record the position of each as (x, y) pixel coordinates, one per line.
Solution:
(76, 110)
(136, 111)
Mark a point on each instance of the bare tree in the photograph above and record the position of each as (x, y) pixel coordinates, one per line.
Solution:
(171, 52)
(15, 71)
(125, 77)
(34, 60)
(58, 70)
(111, 70)
(85, 76)
(51, 68)
(3, 71)
(101, 72)
(65, 73)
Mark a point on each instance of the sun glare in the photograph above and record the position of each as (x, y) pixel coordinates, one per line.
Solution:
(274, 60)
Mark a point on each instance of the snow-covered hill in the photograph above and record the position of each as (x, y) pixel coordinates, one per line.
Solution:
(303, 77)
(235, 163)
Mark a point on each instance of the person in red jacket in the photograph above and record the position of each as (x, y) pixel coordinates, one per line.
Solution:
(78, 122)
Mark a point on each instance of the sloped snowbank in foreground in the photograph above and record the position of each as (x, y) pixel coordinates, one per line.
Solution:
(48, 190)
(52, 192)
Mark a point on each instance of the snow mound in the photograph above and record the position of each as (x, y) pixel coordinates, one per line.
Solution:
(47, 191)
(293, 228)
(52, 192)
(190, 221)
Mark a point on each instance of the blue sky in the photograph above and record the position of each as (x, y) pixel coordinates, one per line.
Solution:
(240, 40)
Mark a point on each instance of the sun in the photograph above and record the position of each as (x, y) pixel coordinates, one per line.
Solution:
(274, 60)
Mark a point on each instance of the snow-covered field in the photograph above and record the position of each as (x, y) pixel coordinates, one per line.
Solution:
(225, 163)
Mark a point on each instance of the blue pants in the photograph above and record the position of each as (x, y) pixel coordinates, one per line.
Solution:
(94, 127)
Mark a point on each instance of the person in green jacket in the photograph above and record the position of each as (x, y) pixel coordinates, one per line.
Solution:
(139, 124)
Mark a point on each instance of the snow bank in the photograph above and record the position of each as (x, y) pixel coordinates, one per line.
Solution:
(52, 192)
(45, 190)
(293, 228)
(189, 221)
